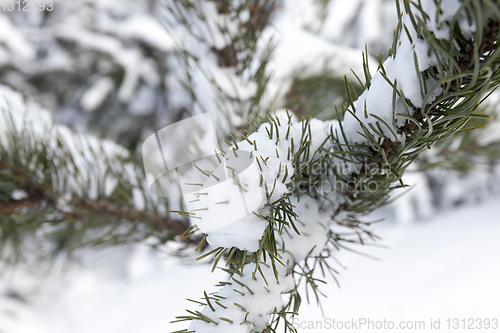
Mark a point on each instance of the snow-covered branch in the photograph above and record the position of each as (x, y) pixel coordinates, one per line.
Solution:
(442, 63)
(53, 179)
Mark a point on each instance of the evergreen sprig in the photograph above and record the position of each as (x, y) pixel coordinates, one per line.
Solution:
(467, 70)
(78, 191)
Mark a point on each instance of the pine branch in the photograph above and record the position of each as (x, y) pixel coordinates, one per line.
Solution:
(229, 32)
(437, 74)
(86, 190)
(38, 196)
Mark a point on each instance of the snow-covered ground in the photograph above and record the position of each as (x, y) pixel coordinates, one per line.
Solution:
(443, 267)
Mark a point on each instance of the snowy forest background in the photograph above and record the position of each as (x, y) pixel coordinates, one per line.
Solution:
(111, 69)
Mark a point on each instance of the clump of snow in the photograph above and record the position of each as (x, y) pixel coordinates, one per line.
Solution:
(232, 204)
(138, 199)
(313, 224)
(402, 72)
(139, 27)
(15, 41)
(95, 95)
(438, 23)
(244, 233)
(18, 194)
(246, 301)
(254, 299)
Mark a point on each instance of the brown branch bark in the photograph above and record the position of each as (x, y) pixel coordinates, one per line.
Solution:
(109, 208)
(39, 196)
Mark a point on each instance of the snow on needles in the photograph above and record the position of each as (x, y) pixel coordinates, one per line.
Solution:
(96, 165)
(272, 149)
(237, 219)
(244, 303)
(379, 102)
(233, 203)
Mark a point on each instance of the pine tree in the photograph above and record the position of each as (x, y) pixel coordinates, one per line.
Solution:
(307, 182)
